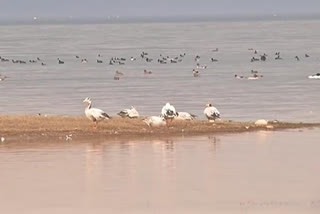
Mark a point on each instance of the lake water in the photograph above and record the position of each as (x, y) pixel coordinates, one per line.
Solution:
(285, 92)
(262, 172)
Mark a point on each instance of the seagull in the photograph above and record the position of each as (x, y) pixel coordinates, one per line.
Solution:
(131, 113)
(155, 121)
(95, 114)
(185, 116)
(168, 112)
(211, 112)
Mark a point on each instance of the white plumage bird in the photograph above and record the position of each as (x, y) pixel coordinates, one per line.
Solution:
(155, 121)
(95, 114)
(185, 116)
(168, 111)
(131, 113)
(211, 112)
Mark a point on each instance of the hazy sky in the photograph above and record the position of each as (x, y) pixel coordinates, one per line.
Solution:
(103, 8)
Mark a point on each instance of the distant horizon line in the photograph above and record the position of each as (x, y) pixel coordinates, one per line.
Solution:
(169, 18)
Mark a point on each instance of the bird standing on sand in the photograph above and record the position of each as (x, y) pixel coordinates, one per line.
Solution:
(2, 78)
(185, 116)
(168, 112)
(131, 113)
(95, 114)
(211, 112)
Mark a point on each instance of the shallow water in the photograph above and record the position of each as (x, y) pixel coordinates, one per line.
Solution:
(262, 172)
(284, 93)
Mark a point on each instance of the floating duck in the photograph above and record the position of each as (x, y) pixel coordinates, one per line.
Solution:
(238, 77)
(315, 76)
(119, 73)
(255, 77)
(59, 61)
(131, 113)
(211, 112)
(94, 114)
(201, 67)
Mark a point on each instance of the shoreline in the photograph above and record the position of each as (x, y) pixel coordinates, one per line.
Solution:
(15, 128)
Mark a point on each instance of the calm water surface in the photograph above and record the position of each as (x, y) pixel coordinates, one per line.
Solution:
(284, 93)
(263, 172)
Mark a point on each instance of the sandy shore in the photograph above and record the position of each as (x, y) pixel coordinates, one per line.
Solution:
(34, 127)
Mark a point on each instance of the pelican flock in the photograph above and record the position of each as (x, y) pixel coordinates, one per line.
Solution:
(94, 114)
(168, 114)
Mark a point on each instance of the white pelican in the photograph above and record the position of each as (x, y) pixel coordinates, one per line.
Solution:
(155, 121)
(315, 76)
(95, 114)
(185, 116)
(211, 112)
(168, 112)
(131, 113)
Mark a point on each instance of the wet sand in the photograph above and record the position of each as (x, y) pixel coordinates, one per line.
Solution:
(54, 127)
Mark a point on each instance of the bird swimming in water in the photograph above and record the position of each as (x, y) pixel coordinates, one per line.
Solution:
(94, 114)
(60, 61)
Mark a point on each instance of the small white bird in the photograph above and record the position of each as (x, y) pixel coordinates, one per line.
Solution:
(211, 112)
(155, 121)
(185, 116)
(95, 114)
(2, 139)
(131, 113)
